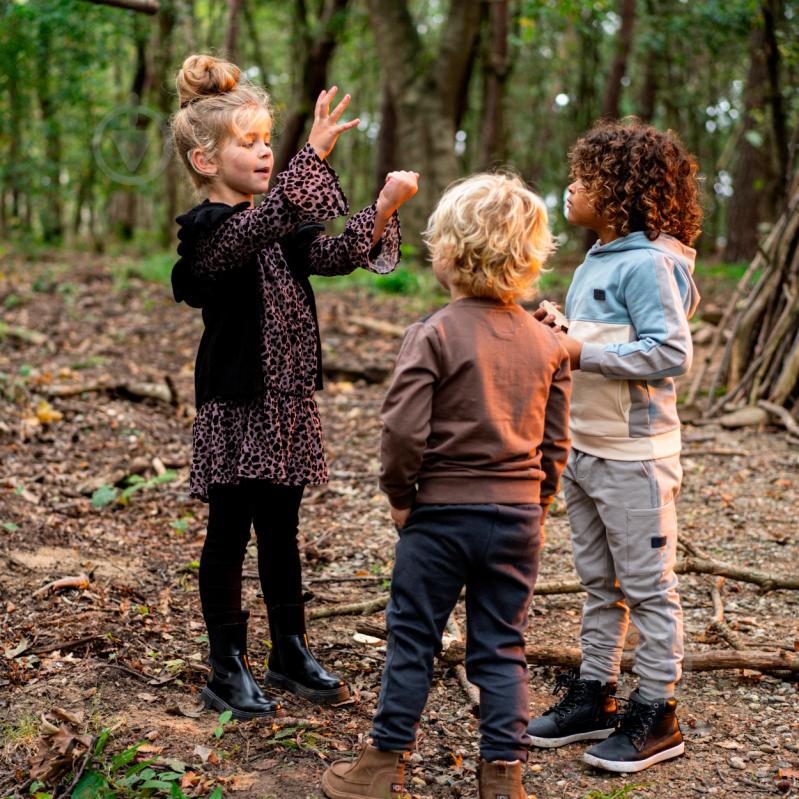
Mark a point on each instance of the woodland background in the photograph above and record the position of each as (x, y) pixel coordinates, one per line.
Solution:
(102, 648)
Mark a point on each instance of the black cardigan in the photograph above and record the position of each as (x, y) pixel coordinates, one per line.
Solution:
(228, 360)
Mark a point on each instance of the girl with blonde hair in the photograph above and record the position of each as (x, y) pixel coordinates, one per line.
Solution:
(257, 434)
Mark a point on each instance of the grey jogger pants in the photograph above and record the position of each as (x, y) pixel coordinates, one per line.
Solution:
(624, 537)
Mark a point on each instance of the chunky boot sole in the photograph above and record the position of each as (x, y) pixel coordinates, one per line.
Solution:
(213, 702)
(329, 696)
(554, 743)
(631, 766)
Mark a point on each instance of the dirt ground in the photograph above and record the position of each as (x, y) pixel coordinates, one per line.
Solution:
(127, 650)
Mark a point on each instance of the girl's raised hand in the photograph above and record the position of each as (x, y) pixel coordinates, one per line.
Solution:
(398, 188)
(326, 127)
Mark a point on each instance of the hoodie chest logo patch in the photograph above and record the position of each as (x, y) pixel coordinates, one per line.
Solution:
(599, 294)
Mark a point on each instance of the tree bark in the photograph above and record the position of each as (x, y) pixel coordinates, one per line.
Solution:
(318, 52)
(427, 92)
(750, 204)
(624, 43)
(496, 68)
(386, 160)
(232, 29)
(772, 11)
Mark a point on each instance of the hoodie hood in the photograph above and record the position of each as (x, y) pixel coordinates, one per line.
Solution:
(682, 256)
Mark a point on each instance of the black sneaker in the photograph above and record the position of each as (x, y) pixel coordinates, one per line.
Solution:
(586, 713)
(649, 733)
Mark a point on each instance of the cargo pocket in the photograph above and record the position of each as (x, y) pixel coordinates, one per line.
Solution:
(652, 544)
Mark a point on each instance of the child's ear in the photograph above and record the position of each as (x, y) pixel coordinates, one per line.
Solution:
(202, 164)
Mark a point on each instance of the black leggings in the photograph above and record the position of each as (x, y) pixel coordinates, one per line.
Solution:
(274, 512)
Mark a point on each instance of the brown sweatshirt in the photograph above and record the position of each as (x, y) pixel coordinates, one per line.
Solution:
(478, 409)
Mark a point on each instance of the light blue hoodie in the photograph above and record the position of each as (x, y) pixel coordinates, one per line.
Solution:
(629, 304)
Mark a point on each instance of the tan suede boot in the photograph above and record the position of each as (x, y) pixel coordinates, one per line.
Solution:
(374, 775)
(501, 779)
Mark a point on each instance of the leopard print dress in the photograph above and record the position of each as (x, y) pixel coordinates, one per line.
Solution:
(277, 436)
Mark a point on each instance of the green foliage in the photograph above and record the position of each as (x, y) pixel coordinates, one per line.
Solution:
(625, 792)
(224, 719)
(124, 776)
(106, 494)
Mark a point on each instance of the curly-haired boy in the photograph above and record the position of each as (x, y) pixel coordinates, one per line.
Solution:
(628, 309)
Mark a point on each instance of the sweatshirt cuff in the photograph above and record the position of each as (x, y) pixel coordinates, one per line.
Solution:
(401, 501)
(591, 357)
(312, 187)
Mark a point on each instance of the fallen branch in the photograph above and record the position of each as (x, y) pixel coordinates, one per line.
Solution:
(782, 414)
(65, 646)
(377, 326)
(472, 691)
(22, 334)
(350, 609)
(369, 374)
(693, 565)
(570, 656)
(717, 624)
(80, 581)
(766, 581)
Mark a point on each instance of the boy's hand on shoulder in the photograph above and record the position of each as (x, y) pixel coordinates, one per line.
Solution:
(326, 127)
(573, 347)
(400, 516)
(399, 187)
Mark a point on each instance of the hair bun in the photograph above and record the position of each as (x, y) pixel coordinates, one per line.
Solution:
(204, 76)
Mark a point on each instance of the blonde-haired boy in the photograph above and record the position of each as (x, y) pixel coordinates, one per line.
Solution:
(474, 440)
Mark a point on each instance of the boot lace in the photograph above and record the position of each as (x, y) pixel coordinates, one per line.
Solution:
(637, 721)
(576, 691)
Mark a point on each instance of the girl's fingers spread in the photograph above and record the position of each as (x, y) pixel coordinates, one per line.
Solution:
(347, 125)
(340, 108)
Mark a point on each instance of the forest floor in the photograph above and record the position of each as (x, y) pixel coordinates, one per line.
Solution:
(126, 650)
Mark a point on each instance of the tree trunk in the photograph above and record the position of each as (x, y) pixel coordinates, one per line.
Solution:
(495, 71)
(773, 11)
(750, 204)
(427, 95)
(52, 210)
(624, 43)
(232, 29)
(386, 160)
(162, 70)
(318, 52)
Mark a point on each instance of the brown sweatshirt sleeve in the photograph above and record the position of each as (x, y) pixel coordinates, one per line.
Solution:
(406, 414)
(556, 443)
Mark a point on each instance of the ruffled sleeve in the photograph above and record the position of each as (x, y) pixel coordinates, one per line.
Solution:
(340, 255)
(307, 190)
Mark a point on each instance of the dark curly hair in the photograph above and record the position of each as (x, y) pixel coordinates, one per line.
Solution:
(638, 178)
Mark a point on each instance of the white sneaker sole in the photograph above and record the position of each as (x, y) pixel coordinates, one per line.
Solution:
(554, 743)
(629, 767)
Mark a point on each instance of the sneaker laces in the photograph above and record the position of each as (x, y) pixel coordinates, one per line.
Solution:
(637, 721)
(576, 691)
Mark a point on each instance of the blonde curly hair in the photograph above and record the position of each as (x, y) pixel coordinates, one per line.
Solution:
(493, 234)
(215, 106)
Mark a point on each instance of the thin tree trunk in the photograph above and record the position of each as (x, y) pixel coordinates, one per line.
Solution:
(624, 43)
(749, 204)
(162, 86)
(495, 71)
(319, 51)
(52, 210)
(232, 30)
(772, 11)
(386, 160)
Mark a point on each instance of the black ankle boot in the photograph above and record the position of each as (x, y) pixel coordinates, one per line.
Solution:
(649, 733)
(231, 685)
(291, 665)
(587, 712)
